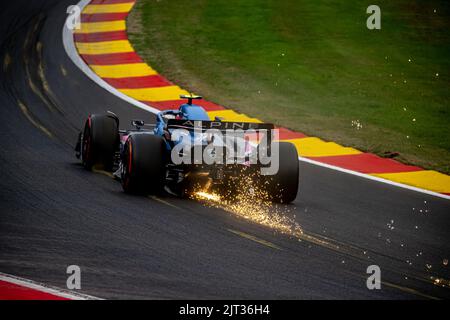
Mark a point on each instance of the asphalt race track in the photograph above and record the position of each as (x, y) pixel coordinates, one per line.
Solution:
(54, 213)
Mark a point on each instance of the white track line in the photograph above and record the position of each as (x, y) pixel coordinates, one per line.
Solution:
(374, 178)
(72, 52)
(46, 289)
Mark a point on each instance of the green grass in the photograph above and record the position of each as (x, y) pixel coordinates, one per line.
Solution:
(313, 66)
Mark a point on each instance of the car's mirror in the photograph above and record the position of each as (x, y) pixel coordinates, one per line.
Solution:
(137, 123)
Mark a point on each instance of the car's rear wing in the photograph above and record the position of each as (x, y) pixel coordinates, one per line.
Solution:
(219, 125)
(254, 132)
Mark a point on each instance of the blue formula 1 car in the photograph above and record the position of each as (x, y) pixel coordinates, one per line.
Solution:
(150, 158)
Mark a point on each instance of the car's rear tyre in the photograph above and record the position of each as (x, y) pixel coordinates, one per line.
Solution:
(100, 141)
(143, 161)
(282, 187)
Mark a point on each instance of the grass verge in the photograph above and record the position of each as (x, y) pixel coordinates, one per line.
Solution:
(313, 66)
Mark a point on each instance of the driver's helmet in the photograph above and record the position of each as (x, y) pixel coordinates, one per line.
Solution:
(167, 116)
(177, 116)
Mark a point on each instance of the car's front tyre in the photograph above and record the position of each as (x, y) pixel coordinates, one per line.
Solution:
(100, 141)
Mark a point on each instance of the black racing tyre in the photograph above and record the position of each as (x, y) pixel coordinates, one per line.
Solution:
(100, 141)
(143, 164)
(283, 186)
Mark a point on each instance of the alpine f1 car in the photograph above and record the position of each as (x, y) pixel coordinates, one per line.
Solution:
(185, 149)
